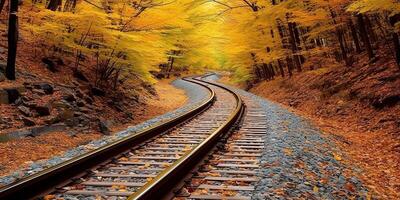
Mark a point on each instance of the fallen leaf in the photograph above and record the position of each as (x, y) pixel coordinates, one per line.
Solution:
(288, 151)
(49, 197)
(337, 157)
(315, 189)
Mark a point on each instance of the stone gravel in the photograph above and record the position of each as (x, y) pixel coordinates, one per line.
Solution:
(299, 161)
(195, 93)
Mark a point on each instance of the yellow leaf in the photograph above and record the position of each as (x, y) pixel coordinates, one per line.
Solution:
(337, 156)
(315, 189)
(288, 151)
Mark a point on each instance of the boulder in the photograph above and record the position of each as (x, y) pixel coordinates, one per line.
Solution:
(50, 65)
(39, 92)
(3, 50)
(47, 88)
(104, 127)
(19, 101)
(64, 115)
(2, 77)
(3, 66)
(27, 121)
(13, 94)
(69, 97)
(80, 103)
(61, 104)
(42, 110)
(79, 94)
(3, 97)
(25, 111)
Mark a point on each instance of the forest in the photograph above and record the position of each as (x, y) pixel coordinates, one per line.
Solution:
(84, 62)
(253, 39)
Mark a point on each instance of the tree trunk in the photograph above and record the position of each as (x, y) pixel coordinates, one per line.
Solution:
(293, 42)
(69, 5)
(258, 73)
(54, 5)
(364, 35)
(12, 40)
(370, 28)
(355, 36)
(170, 68)
(272, 70)
(289, 64)
(395, 37)
(266, 73)
(339, 35)
(396, 47)
(281, 68)
(2, 2)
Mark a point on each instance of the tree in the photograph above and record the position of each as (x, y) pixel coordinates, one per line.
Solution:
(12, 40)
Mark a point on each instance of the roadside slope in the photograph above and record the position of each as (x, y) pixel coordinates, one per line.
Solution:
(358, 106)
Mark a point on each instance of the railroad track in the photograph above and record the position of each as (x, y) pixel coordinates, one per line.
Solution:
(231, 170)
(145, 165)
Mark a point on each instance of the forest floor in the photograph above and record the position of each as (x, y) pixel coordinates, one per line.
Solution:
(19, 153)
(358, 106)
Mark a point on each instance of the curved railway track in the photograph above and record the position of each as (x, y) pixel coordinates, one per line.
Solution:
(231, 170)
(145, 165)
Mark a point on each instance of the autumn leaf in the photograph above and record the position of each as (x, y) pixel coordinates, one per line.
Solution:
(49, 197)
(315, 189)
(336, 156)
(288, 151)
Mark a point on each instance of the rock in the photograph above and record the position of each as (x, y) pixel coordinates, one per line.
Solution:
(3, 66)
(27, 121)
(387, 101)
(88, 100)
(42, 110)
(50, 65)
(39, 92)
(13, 94)
(149, 88)
(25, 111)
(3, 97)
(2, 77)
(129, 115)
(79, 94)
(98, 92)
(104, 127)
(47, 88)
(72, 122)
(64, 115)
(3, 50)
(85, 110)
(19, 101)
(79, 75)
(80, 103)
(61, 104)
(69, 97)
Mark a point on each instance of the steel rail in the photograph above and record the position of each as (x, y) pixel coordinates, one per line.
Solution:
(48, 180)
(161, 186)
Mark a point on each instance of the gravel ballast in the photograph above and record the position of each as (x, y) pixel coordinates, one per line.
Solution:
(299, 161)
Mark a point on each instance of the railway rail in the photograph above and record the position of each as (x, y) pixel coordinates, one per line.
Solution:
(145, 165)
(231, 170)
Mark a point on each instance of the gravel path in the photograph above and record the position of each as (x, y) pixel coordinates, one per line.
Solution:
(196, 95)
(299, 161)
